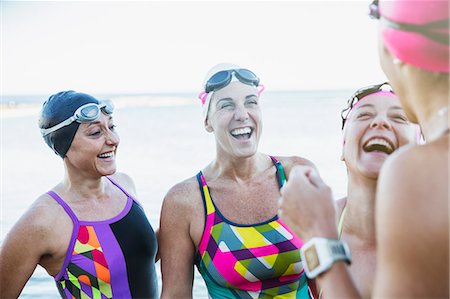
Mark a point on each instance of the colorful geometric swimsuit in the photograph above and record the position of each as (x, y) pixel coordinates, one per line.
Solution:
(113, 258)
(249, 261)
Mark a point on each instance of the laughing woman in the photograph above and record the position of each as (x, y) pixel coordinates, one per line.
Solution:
(412, 198)
(88, 231)
(224, 220)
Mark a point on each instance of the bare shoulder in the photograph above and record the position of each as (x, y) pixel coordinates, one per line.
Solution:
(181, 211)
(412, 215)
(125, 181)
(43, 212)
(416, 171)
(291, 161)
(37, 225)
(413, 177)
(183, 195)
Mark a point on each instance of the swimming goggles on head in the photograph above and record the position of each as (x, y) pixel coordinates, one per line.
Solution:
(432, 30)
(223, 78)
(361, 93)
(85, 114)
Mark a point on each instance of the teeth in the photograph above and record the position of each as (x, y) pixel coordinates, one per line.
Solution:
(379, 141)
(241, 131)
(106, 155)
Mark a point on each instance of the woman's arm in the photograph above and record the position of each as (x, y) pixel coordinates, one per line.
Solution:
(23, 248)
(307, 207)
(176, 247)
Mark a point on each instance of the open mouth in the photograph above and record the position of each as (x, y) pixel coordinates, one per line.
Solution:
(242, 133)
(379, 145)
(106, 155)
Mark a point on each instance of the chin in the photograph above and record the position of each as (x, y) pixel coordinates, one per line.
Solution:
(247, 153)
(371, 171)
(109, 171)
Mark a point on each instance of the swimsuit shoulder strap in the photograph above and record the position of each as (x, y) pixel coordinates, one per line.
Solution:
(204, 190)
(66, 207)
(341, 219)
(281, 176)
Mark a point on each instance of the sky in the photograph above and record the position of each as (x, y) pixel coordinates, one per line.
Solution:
(168, 46)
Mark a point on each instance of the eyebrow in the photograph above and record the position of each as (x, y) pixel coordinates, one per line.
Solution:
(223, 99)
(396, 108)
(98, 122)
(365, 105)
(230, 99)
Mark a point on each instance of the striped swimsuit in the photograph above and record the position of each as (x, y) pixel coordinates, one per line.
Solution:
(259, 260)
(113, 258)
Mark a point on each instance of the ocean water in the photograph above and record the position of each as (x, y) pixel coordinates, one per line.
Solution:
(163, 142)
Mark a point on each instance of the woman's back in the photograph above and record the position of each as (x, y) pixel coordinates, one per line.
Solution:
(415, 246)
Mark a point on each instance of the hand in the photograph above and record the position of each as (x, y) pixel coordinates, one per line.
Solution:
(306, 205)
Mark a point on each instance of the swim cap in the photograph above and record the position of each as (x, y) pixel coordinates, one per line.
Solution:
(58, 108)
(215, 69)
(406, 43)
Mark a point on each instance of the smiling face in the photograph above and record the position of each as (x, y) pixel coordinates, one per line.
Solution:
(235, 118)
(376, 127)
(94, 147)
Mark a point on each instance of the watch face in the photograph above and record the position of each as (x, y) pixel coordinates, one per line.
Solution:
(311, 258)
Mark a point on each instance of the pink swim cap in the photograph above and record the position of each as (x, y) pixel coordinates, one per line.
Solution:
(403, 39)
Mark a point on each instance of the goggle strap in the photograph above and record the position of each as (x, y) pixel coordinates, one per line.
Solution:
(202, 97)
(62, 124)
(105, 106)
(260, 89)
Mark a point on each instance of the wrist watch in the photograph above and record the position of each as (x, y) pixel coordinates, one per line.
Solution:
(319, 254)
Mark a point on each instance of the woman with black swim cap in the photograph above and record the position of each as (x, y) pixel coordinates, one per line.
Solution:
(88, 231)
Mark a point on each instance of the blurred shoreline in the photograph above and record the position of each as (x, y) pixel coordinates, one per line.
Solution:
(21, 106)
(13, 109)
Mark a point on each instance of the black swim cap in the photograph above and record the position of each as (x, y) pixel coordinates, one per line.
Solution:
(58, 108)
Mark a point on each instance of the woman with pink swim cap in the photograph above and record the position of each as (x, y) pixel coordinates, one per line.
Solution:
(412, 200)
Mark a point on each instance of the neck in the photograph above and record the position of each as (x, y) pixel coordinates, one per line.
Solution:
(83, 187)
(239, 169)
(359, 219)
(428, 100)
(435, 124)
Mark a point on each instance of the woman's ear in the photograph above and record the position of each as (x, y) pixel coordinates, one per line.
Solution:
(208, 126)
(343, 147)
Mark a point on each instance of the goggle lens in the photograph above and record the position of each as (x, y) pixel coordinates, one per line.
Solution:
(248, 76)
(86, 113)
(223, 78)
(89, 113)
(361, 93)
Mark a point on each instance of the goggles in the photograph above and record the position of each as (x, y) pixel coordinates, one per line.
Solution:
(432, 30)
(361, 93)
(85, 114)
(223, 78)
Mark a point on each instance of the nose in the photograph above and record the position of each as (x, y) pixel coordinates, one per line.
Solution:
(381, 121)
(112, 138)
(241, 113)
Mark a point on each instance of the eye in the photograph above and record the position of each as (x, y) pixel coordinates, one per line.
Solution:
(225, 105)
(252, 101)
(95, 133)
(364, 115)
(400, 118)
(112, 127)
